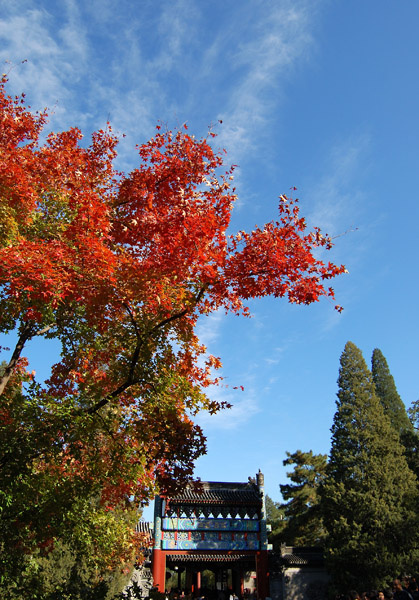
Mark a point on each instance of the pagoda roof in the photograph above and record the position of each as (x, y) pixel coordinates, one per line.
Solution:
(219, 493)
(300, 556)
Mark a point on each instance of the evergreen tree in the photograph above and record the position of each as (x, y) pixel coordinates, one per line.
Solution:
(387, 393)
(303, 519)
(369, 496)
(395, 409)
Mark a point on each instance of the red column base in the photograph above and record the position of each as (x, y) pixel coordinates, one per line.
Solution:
(159, 570)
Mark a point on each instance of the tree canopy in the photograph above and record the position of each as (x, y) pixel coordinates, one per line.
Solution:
(387, 393)
(119, 267)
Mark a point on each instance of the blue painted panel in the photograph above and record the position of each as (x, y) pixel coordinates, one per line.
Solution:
(210, 545)
(180, 524)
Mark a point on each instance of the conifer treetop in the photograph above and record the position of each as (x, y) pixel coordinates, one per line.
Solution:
(387, 393)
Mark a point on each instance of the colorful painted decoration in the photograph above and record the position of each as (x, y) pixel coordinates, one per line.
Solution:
(210, 545)
(181, 524)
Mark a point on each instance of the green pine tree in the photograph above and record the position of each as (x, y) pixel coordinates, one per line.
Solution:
(304, 526)
(370, 495)
(387, 393)
(395, 409)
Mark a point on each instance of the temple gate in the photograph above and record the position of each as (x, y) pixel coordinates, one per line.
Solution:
(218, 527)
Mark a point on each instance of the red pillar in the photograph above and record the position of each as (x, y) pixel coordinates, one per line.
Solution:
(159, 569)
(262, 574)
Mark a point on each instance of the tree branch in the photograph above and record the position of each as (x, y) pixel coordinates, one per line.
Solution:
(27, 333)
(130, 380)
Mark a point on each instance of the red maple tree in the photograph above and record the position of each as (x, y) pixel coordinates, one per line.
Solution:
(120, 267)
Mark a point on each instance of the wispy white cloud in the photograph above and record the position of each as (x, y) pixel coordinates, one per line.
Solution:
(272, 361)
(74, 33)
(279, 35)
(245, 406)
(159, 64)
(336, 199)
(176, 28)
(210, 328)
(56, 54)
(275, 356)
(88, 65)
(338, 206)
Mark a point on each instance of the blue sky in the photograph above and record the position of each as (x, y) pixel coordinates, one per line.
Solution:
(321, 95)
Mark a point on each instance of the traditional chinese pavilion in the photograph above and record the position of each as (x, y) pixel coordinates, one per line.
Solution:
(216, 527)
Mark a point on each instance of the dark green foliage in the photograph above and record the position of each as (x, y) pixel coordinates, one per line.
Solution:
(274, 517)
(413, 413)
(395, 409)
(303, 519)
(410, 440)
(370, 495)
(65, 572)
(54, 529)
(387, 393)
(62, 574)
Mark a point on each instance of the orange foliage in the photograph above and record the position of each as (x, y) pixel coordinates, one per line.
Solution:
(119, 267)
